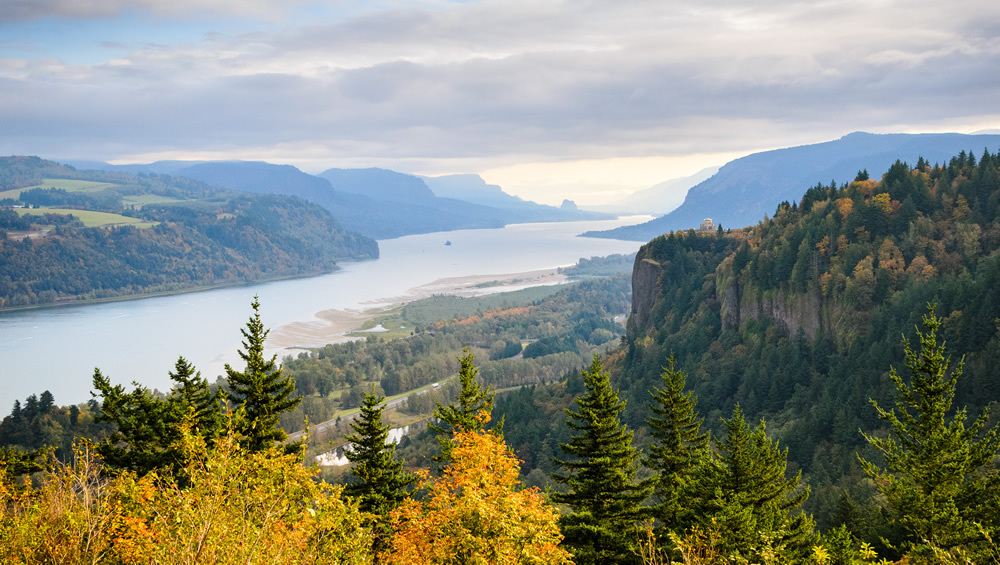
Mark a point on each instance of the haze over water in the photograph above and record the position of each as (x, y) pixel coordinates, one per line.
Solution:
(57, 349)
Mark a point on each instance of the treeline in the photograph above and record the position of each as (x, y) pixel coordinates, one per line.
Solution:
(601, 266)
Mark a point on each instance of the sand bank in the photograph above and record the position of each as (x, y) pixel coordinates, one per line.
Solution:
(331, 326)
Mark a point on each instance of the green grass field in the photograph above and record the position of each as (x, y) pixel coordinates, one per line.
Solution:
(69, 185)
(89, 218)
(143, 199)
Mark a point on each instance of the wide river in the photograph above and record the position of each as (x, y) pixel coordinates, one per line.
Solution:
(57, 349)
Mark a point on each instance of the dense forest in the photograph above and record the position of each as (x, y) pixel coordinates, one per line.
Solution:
(813, 389)
(186, 235)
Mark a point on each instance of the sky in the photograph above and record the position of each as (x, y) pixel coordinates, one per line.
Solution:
(586, 100)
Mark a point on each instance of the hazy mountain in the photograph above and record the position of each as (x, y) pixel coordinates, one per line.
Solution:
(746, 189)
(378, 203)
(663, 197)
(472, 188)
(374, 202)
(380, 184)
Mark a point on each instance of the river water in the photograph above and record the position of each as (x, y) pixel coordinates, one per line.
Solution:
(57, 349)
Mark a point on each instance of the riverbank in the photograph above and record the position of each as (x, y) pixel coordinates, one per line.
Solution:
(334, 325)
(78, 301)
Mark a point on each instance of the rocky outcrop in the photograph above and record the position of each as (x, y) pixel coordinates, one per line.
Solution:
(790, 312)
(645, 290)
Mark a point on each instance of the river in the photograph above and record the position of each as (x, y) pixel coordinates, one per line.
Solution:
(57, 349)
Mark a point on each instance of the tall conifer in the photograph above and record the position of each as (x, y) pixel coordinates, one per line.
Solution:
(941, 481)
(380, 481)
(678, 448)
(603, 491)
(744, 495)
(260, 389)
(195, 401)
(465, 414)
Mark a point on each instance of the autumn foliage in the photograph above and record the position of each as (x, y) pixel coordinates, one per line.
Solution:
(475, 512)
(235, 507)
(229, 504)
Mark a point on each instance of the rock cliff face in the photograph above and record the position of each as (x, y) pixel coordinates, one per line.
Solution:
(739, 302)
(645, 291)
(791, 312)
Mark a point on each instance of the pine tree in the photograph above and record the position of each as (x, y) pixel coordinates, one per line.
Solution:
(381, 482)
(260, 390)
(744, 496)
(603, 491)
(466, 415)
(678, 448)
(941, 481)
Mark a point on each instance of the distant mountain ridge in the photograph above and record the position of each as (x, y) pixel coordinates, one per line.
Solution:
(746, 189)
(472, 188)
(378, 203)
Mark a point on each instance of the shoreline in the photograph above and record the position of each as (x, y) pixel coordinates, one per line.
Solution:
(333, 325)
(65, 302)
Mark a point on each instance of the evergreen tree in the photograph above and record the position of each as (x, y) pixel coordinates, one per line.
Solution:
(146, 427)
(381, 482)
(941, 481)
(603, 491)
(46, 402)
(744, 496)
(678, 448)
(194, 400)
(466, 415)
(261, 391)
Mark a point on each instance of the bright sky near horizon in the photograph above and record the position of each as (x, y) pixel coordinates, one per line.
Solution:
(551, 99)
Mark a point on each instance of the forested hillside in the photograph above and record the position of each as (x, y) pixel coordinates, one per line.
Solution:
(101, 234)
(799, 318)
(746, 189)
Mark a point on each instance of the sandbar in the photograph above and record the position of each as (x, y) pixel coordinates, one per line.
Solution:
(333, 325)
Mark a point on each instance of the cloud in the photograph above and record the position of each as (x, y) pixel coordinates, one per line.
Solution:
(26, 10)
(493, 84)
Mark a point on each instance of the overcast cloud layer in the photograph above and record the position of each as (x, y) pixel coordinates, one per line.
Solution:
(437, 87)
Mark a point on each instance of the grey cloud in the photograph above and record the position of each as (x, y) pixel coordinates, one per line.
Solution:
(547, 80)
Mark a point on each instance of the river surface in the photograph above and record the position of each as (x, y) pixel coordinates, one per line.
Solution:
(57, 349)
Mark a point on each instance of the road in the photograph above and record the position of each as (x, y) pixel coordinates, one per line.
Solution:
(348, 416)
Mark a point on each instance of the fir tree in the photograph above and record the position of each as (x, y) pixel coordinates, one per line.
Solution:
(466, 415)
(745, 497)
(261, 391)
(603, 491)
(381, 482)
(678, 448)
(194, 400)
(941, 481)
(146, 427)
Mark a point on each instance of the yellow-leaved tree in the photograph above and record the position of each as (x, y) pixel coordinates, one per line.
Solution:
(476, 512)
(233, 506)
